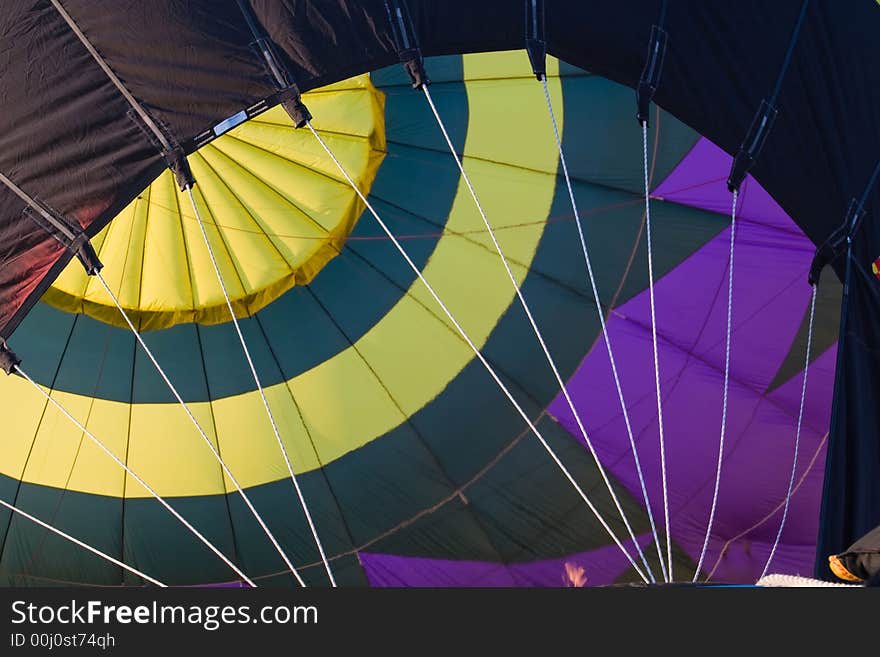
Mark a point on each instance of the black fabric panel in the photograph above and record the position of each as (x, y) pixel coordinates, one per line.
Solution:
(321, 42)
(64, 134)
(64, 140)
(26, 254)
(335, 40)
(851, 497)
(724, 58)
(189, 62)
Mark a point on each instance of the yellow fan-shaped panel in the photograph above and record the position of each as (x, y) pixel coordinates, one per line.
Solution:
(275, 207)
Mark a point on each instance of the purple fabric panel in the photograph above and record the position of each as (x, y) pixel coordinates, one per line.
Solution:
(755, 477)
(601, 566)
(820, 387)
(700, 180)
(393, 570)
(770, 298)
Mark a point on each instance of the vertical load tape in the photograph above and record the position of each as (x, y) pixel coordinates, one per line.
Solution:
(536, 43)
(289, 96)
(407, 43)
(831, 248)
(67, 232)
(650, 79)
(752, 145)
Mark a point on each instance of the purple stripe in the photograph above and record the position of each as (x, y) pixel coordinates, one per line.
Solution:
(601, 567)
(770, 298)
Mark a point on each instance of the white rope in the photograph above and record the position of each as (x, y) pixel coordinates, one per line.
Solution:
(605, 335)
(602, 323)
(201, 431)
(726, 381)
(247, 354)
(537, 331)
(78, 542)
(134, 476)
(654, 347)
(797, 437)
(478, 354)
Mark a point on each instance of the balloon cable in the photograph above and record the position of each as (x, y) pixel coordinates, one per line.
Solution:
(204, 435)
(537, 331)
(247, 354)
(724, 395)
(605, 335)
(134, 476)
(81, 544)
(797, 437)
(650, 250)
(479, 355)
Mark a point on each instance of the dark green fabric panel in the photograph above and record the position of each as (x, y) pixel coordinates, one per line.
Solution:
(158, 544)
(825, 327)
(33, 555)
(677, 232)
(347, 571)
(534, 512)
(8, 491)
(42, 340)
(389, 481)
(439, 533)
(88, 363)
(179, 352)
(280, 508)
(441, 69)
(603, 139)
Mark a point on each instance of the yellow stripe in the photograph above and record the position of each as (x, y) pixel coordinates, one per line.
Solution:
(414, 353)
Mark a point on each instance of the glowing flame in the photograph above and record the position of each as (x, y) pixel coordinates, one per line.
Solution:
(574, 575)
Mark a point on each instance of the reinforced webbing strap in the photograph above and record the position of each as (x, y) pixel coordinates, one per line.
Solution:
(66, 232)
(536, 42)
(406, 42)
(763, 120)
(832, 247)
(650, 78)
(289, 96)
